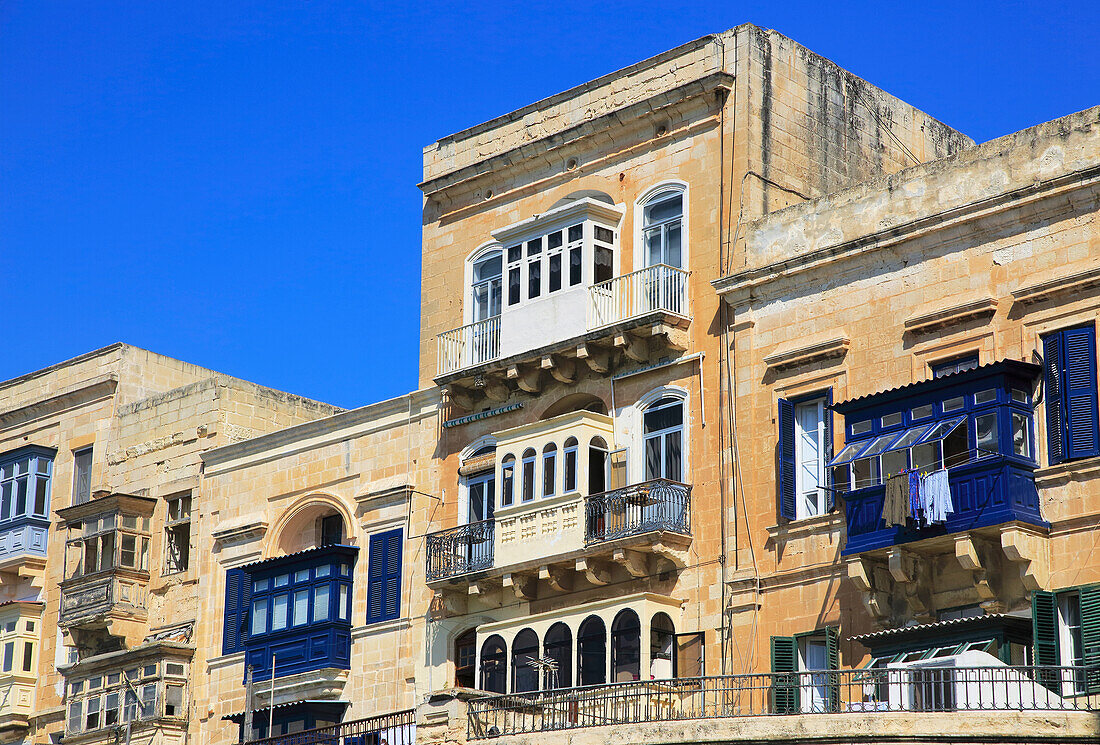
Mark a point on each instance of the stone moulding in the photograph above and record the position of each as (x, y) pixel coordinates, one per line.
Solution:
(803, 354)
(937, 319)
(241, 530)
(1045, 290)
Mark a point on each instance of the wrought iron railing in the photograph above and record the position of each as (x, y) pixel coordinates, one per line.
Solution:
(656, 288)
(912, 689)
(398, 728)
(461, 550)
(469, 345)
(657, 505)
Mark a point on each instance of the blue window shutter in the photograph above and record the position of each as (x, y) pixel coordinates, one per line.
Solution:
(786, 459)
(238, 594)
(1079, 392)
(827, 455)
(1052, 384)
(384, 576)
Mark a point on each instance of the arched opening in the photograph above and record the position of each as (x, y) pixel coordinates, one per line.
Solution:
(597, 466)
(662, 217)
(549, 469)
(575, 402)
(661, 636)
(663, 436)
(626, 647)
(465, 657)
(525, 648)
(494, 665)
(317, 524)
(569, 470)
(485, 285)
(528, 482)
(592, 652)
(479, 479)
(558, 646)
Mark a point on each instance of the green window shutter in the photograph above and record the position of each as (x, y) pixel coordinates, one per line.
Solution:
(832, 656)
(784, 692)
(1090, 635)
(1044, 635)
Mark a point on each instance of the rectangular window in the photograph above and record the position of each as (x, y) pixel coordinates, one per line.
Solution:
(91, 713)
(344, 607)
(259, 617)
(110, 710)
(534, 278)
(507, 483)
(570, 469)
(28, 656)
(9, 654)
(513, 284)
(1021, 435)
(149, 701)
(602, 264)
(528, 478)
(384, 576)
(177, 534)
(301, 607)
(548, 473)
(82, 475)
(954, 365)
(985, 432)
(809, 462)
(320, 603)
(76, 716)
(279, 612)
(173, 701)
(555, 272)
(1069, 367)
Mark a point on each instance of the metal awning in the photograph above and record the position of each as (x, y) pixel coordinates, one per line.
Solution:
(338, 707)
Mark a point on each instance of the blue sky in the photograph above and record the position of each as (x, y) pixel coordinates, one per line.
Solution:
(234, 183)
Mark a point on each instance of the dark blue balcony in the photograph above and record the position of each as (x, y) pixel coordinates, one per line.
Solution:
(298, 612)
(989, 491)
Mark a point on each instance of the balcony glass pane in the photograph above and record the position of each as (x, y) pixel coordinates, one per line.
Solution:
(985, 428)
(941, 430)
(850, 452)
(320, 603)
(280, 612)
(909, 437)
(880, 444)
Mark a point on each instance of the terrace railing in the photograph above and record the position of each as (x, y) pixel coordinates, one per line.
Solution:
(469, 345)
(913, 689)
(461, 550)
(398, 728)
(657, 505)
(656, 288)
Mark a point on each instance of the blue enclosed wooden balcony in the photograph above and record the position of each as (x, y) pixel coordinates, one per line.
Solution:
(25, 481)
(297, 615)
(977, 425)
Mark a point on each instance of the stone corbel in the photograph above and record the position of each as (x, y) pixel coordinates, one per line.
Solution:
(862, 574)
(556, 577)
(594, 571)
(496, 390)
(633, 347)
(676, 557)
(528, 379)
(633, 561)
(598, 360)
(33, 571)
(1029, 552)
(482, 589)
(522, 585)
(909, 573)
(562, 369)
(447, 605)
(461, 397)
(966, 553)
(674, 338)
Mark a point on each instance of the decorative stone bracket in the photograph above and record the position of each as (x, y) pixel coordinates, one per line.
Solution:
(1028, 550)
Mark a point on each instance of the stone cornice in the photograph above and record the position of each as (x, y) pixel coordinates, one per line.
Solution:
(925, 322)
(803, 353)
(96, 388)
(735, 286)
(1051, 288)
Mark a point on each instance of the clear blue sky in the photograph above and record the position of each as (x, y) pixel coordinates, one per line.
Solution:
(234, 183)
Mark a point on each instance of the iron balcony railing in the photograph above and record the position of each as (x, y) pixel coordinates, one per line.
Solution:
(469, 345)
(913, 689)
(657, 505)
(398, 728)
(656, 288)
(461, 550)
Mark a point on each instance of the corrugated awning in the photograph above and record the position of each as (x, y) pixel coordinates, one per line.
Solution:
(238, 716)
(304, 554)
(989, 619)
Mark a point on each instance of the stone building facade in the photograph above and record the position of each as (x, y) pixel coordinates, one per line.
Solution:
(684, 329)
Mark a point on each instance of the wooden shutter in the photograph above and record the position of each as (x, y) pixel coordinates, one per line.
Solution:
(827, 451)
(832, 658)
(689, 655)
(784, 693)
(1079, 392)
(384, 576)
(1044, 635)
(238, 597)
(1052, 384)
(786, 460)
(1090, 635)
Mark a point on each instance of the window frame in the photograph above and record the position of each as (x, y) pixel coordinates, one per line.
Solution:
(651, 196)
(32, 459)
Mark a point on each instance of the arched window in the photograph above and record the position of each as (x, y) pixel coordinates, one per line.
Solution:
(494, 665)
(549, 469)
(528, 474)
(592, 652)
(661, 636)
(485, 287)
(662, 216)
(525, 647)
(663, 433)
(465, 658)
(558, 646)
(569, 483)
(626, 647)
(507, 480)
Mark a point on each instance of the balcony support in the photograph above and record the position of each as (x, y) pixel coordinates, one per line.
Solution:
(523, 586)
(461, 397)
(599, 360)
(556, 577)
(496, 390)
(528, 379)
(447, 604)
(596, 572)
(966, 552)
(865, 575)
(633, 561)
(633, 347)
(1028, 551)
(563, 369)
(910, 572)
(675, 558)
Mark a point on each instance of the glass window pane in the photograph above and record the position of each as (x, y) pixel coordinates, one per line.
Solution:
(672, 245)
(1021, 440)
(548, 474)
(923, 412)
(534, 279)
(553, 240)
(892, 420)
(953, 404)
(665, 209)
(850, 451)
(301, 607)
(513, 285)
(861, 428)
(673, 466)
(259, 616)
(1021, 396)
(910, 436)
(941, 430)
(260, 585)
(985, 427)
(576, 233)
(42, 485)
(865, 472)
(320, 602)
(302, 575)
(282, 580)
(879, 444)
(279, 612)
(986, 396)
(575, 266)
(555, 273)
(342, 609)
